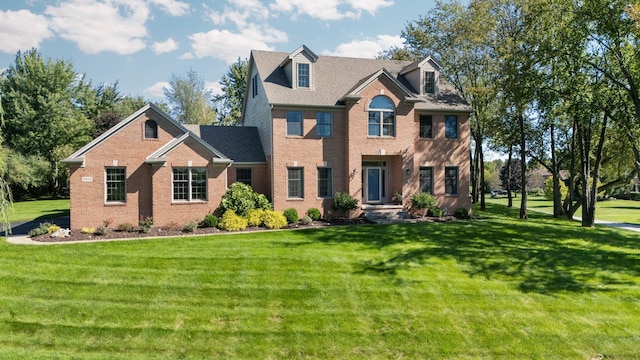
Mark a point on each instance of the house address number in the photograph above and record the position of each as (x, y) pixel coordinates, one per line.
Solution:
(87, 179)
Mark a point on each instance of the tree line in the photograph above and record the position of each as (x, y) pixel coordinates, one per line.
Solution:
(554, 83)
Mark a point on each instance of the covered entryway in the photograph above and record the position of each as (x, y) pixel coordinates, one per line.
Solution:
(374, 182)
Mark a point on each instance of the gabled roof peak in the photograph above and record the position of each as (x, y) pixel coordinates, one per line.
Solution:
(420, 63)
(299, 50)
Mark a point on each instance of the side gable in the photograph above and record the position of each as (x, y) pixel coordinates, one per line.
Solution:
(160, 156)
(78, 157)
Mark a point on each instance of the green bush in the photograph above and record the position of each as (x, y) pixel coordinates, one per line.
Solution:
(190, 227)
(548, 189)
(254, 217)
(101, 230)
(461, 213)
(291, 214)
(423, 200)
(42, 229)
(314, 214)
(241, 198)
(306, 220)
(435, 211)
(274, 219)
(210, 221)
(232, 222)
(344, 202)
(146, 224)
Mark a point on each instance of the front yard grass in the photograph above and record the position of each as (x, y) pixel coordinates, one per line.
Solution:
(496, 287)
(39, 209)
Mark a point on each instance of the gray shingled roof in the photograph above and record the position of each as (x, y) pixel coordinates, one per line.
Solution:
(239, 143)
(336, 76)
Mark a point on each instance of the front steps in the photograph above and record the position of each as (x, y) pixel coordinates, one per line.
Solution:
(385, 213)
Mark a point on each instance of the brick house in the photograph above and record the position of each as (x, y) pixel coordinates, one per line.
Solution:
(312, 126)
(369, 127)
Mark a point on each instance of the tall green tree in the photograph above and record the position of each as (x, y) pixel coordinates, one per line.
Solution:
(189, 100)
(234, 85)
(43, 116)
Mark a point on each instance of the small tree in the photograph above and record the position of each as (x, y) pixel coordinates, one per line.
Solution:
(241, 198)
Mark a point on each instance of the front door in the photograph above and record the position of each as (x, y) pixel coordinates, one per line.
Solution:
(374, 181)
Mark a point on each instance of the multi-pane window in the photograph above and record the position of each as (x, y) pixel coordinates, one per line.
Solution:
(451, 127)
(451, 180)
(323, 124)
(426, 179)
(254, 85)
(244, 176)
(190, 184)
(295, 182)
(429, 82)
(294, 123)
(303, 75)
(426, 126)
(382, 117)
(150, 129)
(325, 182)
(115, 180)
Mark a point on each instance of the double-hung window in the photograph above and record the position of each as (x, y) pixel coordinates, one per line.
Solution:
(303, 75)
(429, 82)
(451, 127)
(294, 123)
(323, 124)
(426, 179)
(451, 180)
(325, 182)
(295, 182)
(382, 117)
(189, 184)
(243, 175)
(426, 126)
(115, 184)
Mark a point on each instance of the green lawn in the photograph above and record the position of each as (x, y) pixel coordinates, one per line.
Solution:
(38, 209)
(496, 287)
(623, 211)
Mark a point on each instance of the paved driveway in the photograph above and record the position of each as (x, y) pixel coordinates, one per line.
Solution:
(23, 227)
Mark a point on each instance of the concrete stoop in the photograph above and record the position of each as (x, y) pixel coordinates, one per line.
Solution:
(385, 213)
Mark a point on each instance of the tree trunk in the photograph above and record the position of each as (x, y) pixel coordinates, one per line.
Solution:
(558, 210)
(509, 196)
(523, 167)
(483, 205)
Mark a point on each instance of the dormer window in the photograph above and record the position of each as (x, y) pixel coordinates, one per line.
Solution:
(303, 75)
(429, 82)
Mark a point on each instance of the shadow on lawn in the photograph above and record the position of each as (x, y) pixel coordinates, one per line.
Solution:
(537, 254)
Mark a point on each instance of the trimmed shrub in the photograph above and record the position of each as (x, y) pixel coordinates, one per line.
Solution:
(314, 214)
(241, 198)
(274, 219)
(101, 230)
(254, 217)
(306, 220)
(128, 227)
(88, 230)
(423, 200)
(461, 213)
(42, 229)
(291, 214)
(210, 221)
(344, 202)
(146, 224)
(232, 222)
(435, 211)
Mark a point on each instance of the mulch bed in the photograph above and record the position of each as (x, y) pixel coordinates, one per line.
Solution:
(77, 235)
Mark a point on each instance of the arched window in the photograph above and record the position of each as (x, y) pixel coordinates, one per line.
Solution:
(382, 117)
(150, 129)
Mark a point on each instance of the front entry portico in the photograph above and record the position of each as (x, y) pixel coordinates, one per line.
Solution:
(374, 182)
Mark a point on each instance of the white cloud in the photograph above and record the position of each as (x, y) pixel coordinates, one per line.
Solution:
(172, 7)
(157, 89)
(239, 13)
(229, 46)
(22, 30)
(366, 48)
(96, 26)
(214, 86)
(330, 9)
(164, 47)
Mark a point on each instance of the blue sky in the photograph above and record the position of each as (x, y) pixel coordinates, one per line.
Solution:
(140, 43)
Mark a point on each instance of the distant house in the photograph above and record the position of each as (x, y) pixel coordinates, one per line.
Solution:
(312, 126)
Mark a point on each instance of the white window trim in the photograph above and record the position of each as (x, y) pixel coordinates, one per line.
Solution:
(105, 185)
(189, 185)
